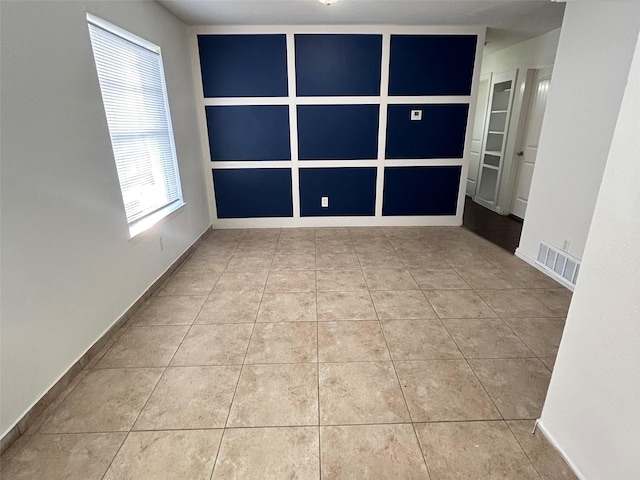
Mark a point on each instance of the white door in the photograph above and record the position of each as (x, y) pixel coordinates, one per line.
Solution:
(526, 156)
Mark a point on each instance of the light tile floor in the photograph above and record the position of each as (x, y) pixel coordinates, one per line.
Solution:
(363, 353)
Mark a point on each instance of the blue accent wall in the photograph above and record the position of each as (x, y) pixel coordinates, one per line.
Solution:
(351, 191)
(337, 132)
(253, 192)
(432, 64)
(243, 65)
(421, 190)
(440, 133)
(338, 64)
(259, 132)
(337, 136)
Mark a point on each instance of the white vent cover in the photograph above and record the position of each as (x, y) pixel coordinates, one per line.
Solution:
(558, 263)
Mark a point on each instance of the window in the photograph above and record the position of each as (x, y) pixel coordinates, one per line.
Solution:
(135, 102)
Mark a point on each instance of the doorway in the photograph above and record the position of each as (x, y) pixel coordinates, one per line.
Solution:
(538, 83)
(503, 226)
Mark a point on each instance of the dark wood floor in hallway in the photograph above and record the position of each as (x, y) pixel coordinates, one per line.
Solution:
(502, 230)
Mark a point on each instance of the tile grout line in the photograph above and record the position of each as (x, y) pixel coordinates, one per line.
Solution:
(466, 359)
(215, 461)
(318, 364)
(413, 427)
(116, 454)
(523, 449)
(424, 458)
(508, 326)
(425, 359)
(169, 363)
(538, 357)
(304, 425)
(474, 372)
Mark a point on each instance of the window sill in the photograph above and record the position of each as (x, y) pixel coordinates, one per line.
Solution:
(140, 227)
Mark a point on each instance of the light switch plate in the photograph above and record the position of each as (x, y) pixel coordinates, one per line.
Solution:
(416, 114)
(324, 203)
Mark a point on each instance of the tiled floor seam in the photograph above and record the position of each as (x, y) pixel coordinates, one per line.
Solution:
(522, 340)
(253, 328)
(524, 450)
(304, 425)
(406, 404)
(318, 382)
(474, 373)
(318, 367)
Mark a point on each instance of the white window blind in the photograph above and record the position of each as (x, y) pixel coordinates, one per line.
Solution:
(135, 101)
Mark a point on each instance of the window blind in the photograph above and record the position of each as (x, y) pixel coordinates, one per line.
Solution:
(135, 101)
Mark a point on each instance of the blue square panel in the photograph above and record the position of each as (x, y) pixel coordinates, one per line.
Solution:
(253, 192)
(338, 132)
(432, 64)
(330, 65)
(351, 191)
(440, 133)
(421, 190)
(243, 65)
(249, 132)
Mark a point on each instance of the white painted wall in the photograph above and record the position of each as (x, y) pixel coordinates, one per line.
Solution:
(68, 268)
(592, 411)
(537, 52)
(594, 53)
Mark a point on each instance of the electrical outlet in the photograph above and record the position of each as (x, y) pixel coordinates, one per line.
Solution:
(161, 242)
(324, 202)
(416, 114)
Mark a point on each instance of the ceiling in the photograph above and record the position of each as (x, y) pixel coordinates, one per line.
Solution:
(508, 21)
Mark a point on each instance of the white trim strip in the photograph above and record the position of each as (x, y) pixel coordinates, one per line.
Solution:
(382, 122)
(346, 100)
(338, 29)
(420, 162)
(293, 124)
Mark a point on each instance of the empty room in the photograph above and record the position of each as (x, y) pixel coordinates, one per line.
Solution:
(335, 239)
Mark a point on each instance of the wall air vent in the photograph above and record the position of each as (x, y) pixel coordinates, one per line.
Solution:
(558, 263)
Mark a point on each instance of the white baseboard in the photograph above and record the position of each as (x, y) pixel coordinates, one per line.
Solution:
(368, 221)
(554, 443)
